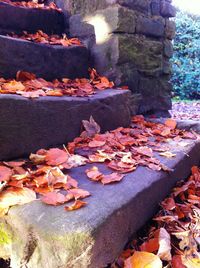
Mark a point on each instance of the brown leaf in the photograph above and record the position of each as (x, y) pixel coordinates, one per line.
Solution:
(76, 205)
(91, 127)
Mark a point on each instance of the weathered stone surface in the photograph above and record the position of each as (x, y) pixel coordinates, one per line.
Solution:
(27, 125)
(84, 6)
(170, 29)
(93, 236)
(148, 26)
(156, 94)
(167, 66)
(155, 7)
(118, 19)
(17, 19)
(168, 48)
(140, 5)
(167, 10)
(45, 61)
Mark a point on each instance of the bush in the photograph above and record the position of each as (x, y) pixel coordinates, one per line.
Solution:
(186, 60)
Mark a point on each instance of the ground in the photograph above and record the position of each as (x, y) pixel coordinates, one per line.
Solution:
(186, 110)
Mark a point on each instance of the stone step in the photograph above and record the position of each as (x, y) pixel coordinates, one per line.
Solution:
(45, 61)
(28, 125)
(18, 19)
(92, 237)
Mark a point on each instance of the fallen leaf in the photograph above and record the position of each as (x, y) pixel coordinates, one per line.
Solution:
(76, 205)
(110, 178)
(143, 259)
(91, 127)
(94, 174)
(164, 251)
(171, 123)
(55, 157)
(79, 193)
(167, 154)
(5, 173)
(53, 198)
(15, 196)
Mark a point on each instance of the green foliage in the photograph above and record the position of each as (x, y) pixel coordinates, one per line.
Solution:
(186, 60)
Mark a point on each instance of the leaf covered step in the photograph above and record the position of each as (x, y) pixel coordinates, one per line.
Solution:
(27, 85)
(43, 38)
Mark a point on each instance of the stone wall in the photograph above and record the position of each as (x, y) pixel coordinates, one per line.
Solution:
(130, 42)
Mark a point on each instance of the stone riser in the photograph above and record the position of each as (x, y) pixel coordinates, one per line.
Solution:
(45, 61)
(30, 19)
(28, 125)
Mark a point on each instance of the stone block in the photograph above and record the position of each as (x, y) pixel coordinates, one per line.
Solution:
(95, 235)
(18, 19)
(170, 29)
(150, 26)
(118, 19)
(167, 10)
(123, 52)
(28, 125)
(140, 5)
(155, 7)
(168, 48)
(45, 61)
(156, 94)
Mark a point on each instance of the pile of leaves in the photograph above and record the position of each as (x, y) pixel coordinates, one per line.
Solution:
(186, 110)
(45, 176)
(173, 237)
(27, 85)
(33, 4)
(43, 38)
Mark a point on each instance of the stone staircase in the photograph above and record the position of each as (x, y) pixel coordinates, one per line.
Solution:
(40, 236)
(27, 125)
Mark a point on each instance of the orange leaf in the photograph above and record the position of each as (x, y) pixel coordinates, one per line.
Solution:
(95, 143)
(76, 205)
(177, 262)
(171, 123)
(5, 173)
(53, 198)
(15, 196)
(143, 259)
(79, 193)
(150, 246)
(113, 177)
(94, 174)
(55, 157)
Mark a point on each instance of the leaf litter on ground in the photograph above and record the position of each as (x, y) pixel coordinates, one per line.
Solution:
(172, 237)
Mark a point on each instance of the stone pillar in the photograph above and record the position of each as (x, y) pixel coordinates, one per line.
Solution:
(130, 42)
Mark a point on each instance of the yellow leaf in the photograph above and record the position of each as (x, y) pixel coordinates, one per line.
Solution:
(191, 262)
(167, 154)
(143, 260)
(12, 197)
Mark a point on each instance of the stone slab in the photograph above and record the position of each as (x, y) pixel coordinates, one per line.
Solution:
(45, 236)
(45, 61)
(27, 125)
(31, 19)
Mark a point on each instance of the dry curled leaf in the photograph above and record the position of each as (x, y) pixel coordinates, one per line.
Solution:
(76, 205)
